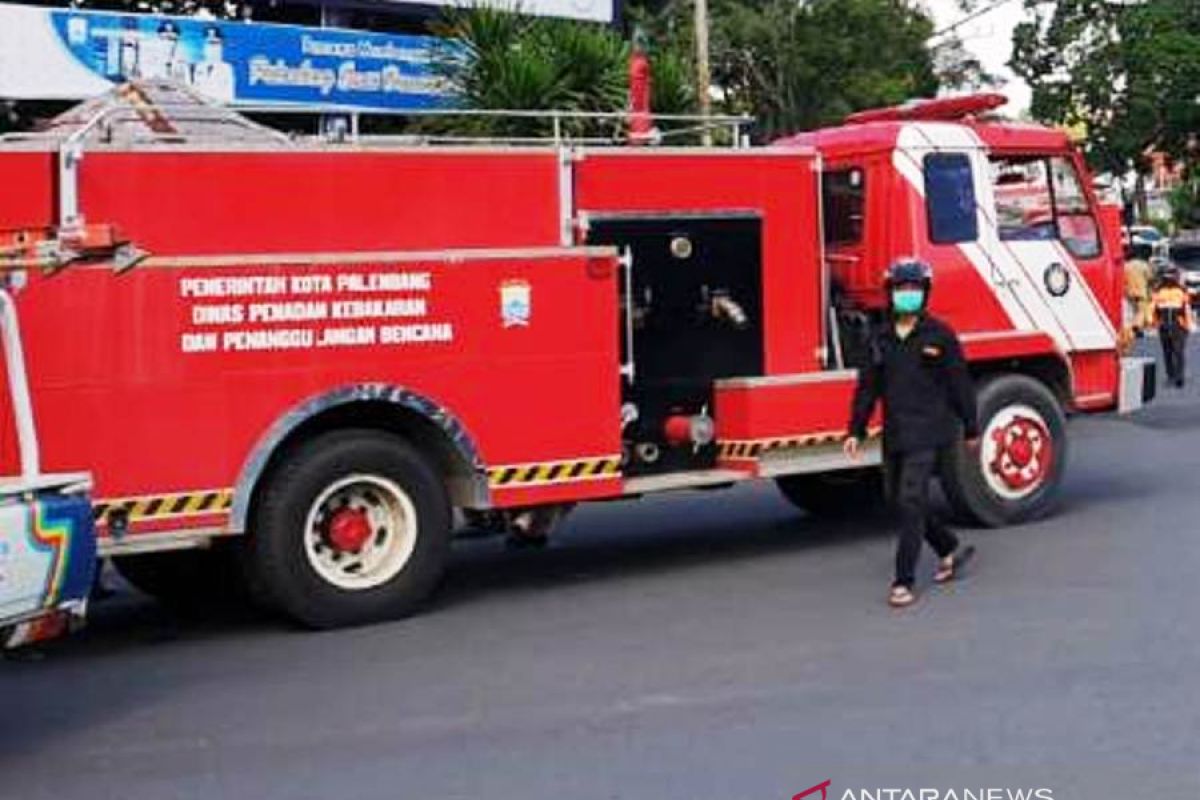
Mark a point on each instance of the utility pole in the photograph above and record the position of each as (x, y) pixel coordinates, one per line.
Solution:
(335, 126)
(702, 69)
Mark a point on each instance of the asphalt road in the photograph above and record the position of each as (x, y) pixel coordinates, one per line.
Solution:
(694, 646)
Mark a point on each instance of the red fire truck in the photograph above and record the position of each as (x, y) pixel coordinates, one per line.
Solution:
(287, 363)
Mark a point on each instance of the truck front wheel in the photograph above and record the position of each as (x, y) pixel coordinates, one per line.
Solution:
(1016, 472)
(352, 527)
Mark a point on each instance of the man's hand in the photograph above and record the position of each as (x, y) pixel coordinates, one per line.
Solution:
(972, 444)
(851, 448)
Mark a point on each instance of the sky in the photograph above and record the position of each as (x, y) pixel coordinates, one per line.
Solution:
(989, 38)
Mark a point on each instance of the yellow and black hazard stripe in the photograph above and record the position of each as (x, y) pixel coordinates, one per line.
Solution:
(753, 448)
(547, 472)
(163, 506)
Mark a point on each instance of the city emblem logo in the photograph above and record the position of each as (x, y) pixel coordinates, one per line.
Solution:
(516, 303)
(1057, 280)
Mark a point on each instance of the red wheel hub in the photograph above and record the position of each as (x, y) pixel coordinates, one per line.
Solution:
(349, 530)
(1024, 453)
(1021, 452)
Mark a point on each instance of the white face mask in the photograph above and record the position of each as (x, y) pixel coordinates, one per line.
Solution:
(907, 301)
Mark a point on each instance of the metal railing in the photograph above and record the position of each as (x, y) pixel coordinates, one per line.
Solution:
(204, 122)
(562, 127)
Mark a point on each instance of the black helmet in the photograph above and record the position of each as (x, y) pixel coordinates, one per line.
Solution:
(909, 270)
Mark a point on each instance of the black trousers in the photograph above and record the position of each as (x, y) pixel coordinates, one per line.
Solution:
(908, 477)
(1174, 346)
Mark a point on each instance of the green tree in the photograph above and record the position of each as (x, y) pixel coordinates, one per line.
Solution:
(791, 65)
(1128, 73)
(957, 68)
(497, 59)
(796, 65)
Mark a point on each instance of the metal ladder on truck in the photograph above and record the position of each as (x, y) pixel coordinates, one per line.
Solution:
(47, 537)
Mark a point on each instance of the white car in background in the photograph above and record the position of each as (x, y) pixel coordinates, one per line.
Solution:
(1184, 253)
(1146, 240)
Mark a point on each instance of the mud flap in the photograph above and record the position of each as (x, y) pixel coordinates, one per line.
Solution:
(1138, 383)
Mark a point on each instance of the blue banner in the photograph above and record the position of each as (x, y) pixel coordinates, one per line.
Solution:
(232, 62)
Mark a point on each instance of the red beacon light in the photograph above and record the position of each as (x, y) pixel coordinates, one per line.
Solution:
(942, 109)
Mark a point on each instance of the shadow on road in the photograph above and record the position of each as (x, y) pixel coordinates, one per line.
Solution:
(1103, 488)
(1165, 415)
(61, 695)
(644, 538)
(67, 691)
(679, 534)
(130, 621)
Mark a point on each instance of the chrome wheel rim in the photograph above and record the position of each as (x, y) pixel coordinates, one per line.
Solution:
(360, 532)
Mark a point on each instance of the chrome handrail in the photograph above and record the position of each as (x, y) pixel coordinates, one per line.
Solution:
(555, 117)
(201, 109)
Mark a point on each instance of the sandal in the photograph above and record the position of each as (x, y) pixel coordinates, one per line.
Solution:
(901, 596)
(951, 567)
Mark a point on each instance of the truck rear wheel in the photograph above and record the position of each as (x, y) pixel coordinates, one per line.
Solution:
(1016, 473)
(353, 527)
(833, 493)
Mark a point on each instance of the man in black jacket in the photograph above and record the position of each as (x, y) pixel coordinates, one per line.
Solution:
(916, 367)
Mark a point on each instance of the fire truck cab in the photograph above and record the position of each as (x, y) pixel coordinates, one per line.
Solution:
(1027, 269)
(288, 362)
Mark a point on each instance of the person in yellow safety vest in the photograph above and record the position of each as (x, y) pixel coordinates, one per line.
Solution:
(1173, 316)
(1137, 291)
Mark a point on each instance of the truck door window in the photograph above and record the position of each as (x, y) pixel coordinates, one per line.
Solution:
(1024, 207)
(950, 198)
(1076, 224)
(843, 200)
(1040, 198)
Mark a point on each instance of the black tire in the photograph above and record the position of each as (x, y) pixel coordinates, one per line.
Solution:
(285, 576)
(829, 494)
(967, 487)
(186, 580)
